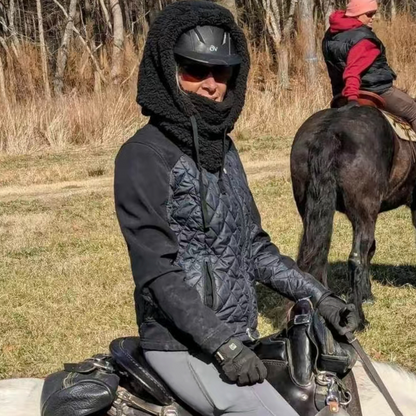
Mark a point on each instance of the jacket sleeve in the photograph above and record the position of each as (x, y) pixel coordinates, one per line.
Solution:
(278, 271)
(141, 188)
(360, 57)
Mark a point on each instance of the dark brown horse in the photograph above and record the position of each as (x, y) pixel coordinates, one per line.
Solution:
(350, 161)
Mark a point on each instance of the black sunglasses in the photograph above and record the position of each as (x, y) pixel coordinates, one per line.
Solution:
(370, 14)
(198, 72)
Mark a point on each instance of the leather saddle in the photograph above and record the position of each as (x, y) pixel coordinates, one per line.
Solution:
(305, 365)
(402, 128)
(365, 98)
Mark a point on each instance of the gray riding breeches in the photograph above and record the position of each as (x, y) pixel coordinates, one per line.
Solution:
(196, 380)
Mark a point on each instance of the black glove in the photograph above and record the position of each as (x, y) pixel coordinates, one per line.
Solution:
(351, 104)
(240, 364)
(336, 312)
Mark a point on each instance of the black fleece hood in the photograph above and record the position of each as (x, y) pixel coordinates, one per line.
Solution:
(181, 115)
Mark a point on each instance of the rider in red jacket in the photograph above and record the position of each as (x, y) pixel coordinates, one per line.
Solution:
(356, 59)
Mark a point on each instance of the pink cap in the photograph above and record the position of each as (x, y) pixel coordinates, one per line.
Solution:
(358, 7)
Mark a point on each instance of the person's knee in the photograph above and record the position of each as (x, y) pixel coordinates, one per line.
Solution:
(259, 400)
(402, 105)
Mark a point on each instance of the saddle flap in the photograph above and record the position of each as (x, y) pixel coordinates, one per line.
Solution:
(303, 352)
(73, 393)
(403, 129)
(129, 357)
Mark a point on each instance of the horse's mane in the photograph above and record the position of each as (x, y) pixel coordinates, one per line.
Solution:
(393, 370)
(400, 383)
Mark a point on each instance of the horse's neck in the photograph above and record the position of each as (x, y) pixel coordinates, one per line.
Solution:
(20, 397)
(401, 385)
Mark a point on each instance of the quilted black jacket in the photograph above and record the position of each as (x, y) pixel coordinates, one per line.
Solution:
(195, 285)
(191, 226)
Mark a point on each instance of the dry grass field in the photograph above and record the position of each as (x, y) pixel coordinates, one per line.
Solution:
(65, 281)
(66, 287)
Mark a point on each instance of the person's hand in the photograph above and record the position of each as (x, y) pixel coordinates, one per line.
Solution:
(350, 104)
(343, 317)
(240, 364)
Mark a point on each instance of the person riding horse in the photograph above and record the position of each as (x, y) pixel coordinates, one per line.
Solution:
(191, 225)
(356, 59)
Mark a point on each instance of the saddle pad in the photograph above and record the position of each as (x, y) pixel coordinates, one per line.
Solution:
(403, 129)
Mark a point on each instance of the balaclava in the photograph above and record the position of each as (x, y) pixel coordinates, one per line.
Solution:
(172, 110)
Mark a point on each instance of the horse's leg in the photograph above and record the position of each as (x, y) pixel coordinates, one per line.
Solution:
(363, 249)
(318, 269)
(413, 207)
(372, 252)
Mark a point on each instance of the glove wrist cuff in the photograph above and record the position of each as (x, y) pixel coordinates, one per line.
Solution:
(229, 350)
(326, 295)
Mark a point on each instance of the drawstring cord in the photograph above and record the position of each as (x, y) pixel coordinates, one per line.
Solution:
(202, 192)
(222, 170)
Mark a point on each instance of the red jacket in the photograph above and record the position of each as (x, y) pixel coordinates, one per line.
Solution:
(361, 56)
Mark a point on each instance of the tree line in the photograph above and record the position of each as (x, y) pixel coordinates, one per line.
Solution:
(52, 27)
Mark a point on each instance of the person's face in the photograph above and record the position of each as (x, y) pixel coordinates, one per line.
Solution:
(208, 81)
(367, 18)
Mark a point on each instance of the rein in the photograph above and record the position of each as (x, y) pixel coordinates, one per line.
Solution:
(372, 373)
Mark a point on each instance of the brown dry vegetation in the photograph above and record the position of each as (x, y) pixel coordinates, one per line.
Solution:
(65, 282)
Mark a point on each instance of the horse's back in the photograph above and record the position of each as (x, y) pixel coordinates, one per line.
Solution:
(400, 384)
(20, 397)
(359, 126)
(364, 140)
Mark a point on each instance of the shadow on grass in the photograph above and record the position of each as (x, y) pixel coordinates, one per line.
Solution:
(386, 274)
(274, 307)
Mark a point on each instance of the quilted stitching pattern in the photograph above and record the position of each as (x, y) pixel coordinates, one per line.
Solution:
(227, 243)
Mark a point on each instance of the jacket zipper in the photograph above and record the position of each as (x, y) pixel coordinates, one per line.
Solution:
(209, 286)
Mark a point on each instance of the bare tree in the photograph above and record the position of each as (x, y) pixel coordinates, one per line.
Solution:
(307, 30)
(84, 43)
(151, 9)
(283, 56)
(63, 50)
(273, 20)
(90, 39)
(101, 27)
(275, 14)
(118, 42)
(393, 9)
(230, 5)
(328, 6)
(3, 93)
(43, 52)
(106, 14)
(12, 29)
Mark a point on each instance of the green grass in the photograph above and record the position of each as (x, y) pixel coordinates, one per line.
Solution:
(65, 283)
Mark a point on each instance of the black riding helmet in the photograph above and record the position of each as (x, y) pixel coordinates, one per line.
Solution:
(208, 45)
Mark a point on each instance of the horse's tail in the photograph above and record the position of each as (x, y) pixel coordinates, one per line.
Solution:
(320, 203)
